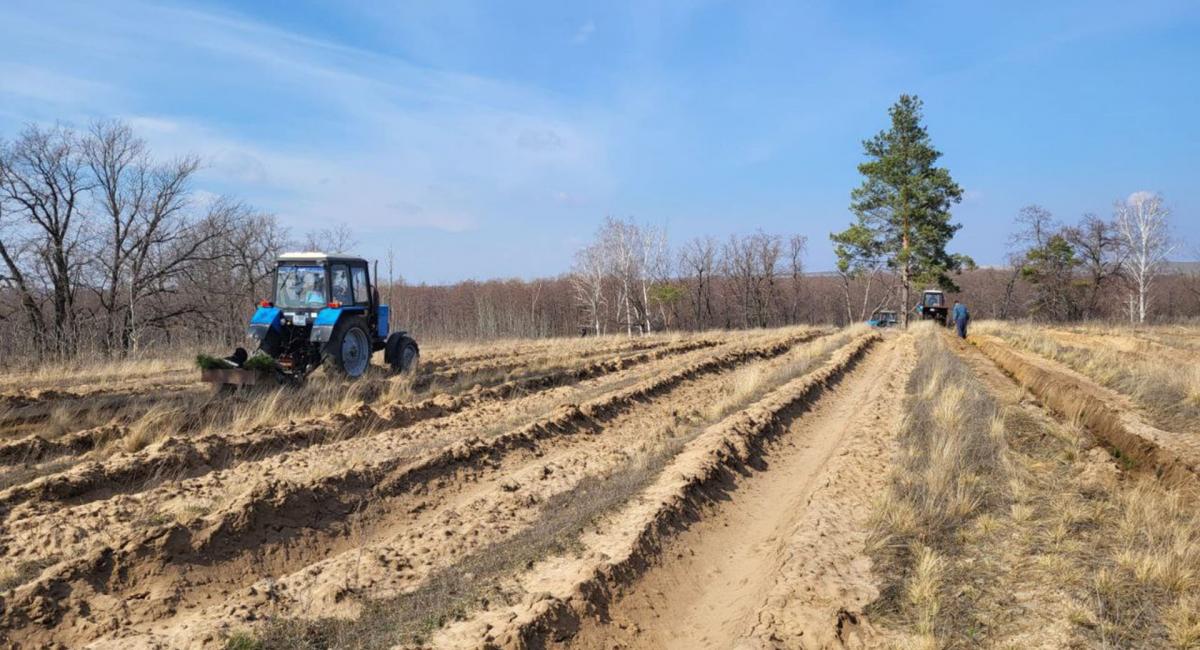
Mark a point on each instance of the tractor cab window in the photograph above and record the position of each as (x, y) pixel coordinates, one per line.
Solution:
(933, 300)
(300, 287)
(360, 285)
(340, 275)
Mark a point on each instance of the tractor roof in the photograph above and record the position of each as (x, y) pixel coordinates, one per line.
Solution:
(314, 256)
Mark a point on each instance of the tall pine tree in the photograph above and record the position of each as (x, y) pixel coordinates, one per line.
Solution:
(903, 207)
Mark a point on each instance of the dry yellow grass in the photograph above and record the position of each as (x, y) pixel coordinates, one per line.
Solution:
(61, 374)
(1049, 527)
(950, 467)
(1166, 386)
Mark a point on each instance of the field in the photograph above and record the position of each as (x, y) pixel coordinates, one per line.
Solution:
(783, 488)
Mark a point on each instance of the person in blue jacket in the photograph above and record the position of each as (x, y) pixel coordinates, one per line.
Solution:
(961, 318)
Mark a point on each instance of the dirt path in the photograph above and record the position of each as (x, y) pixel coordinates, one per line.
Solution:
(781, 560)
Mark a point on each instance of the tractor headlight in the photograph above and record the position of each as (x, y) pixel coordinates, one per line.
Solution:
(257, 332)
(321, 333)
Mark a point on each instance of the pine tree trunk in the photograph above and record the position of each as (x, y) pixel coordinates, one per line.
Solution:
(904, 273)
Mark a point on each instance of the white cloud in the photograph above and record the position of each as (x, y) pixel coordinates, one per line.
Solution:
(584, 33)
(49, 86)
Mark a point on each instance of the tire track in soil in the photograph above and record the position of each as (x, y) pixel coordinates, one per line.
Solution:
(181, 457)
(779, 562)
(266, 528)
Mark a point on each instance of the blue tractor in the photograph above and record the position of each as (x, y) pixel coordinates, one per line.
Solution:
(325, 310)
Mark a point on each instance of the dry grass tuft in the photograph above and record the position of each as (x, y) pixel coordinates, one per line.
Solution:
(157, 423)
(1048, 527)
(923, 591)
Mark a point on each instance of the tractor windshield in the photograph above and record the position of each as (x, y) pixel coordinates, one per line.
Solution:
(934, 300)
(300, 287)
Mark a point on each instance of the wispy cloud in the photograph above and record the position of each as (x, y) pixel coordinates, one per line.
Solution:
(584, 33)
(382, 141)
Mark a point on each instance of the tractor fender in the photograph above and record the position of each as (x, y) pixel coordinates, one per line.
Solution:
(264, 321)
(324, 323)
(327, 321)
(382, 316)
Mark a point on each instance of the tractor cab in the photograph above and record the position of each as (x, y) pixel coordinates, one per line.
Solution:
(323, 309)
(883, 318)
(933, 306)
(312, 287)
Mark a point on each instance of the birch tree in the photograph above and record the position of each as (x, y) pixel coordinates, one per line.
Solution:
(587, 280)
(1144, 229)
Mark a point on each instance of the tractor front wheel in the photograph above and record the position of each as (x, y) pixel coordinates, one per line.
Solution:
(349, 349)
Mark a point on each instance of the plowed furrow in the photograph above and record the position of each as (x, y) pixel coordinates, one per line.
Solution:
(1109, 415)
(273, 522)
(40, 528)
(449, 373)
(447, 359)
(394, 543)
(184, 457)
(35, 448)
(83, 382)
(565, 591)
(24, 414)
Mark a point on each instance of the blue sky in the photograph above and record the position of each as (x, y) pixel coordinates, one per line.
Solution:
(484, 140)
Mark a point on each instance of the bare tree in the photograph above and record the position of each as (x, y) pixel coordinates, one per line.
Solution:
(338, 239)
(45, 180)
(752, 264)
(150, 230)
(698, 262)
(654, 262)
(797, 244)
(1144, 230)
(1098, 248)
(1035, 225)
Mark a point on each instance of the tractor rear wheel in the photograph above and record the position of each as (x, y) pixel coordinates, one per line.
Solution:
(402, 353)
(349, 349)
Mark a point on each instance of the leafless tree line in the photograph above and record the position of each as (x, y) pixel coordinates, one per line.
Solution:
(106, 248)
(628, 278)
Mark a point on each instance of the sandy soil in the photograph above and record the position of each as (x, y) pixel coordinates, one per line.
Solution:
(305, 528)
(781, 560)
(738, 475)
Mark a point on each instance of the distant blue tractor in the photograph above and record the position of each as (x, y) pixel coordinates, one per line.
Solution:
(325, 310)
(883, 318)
